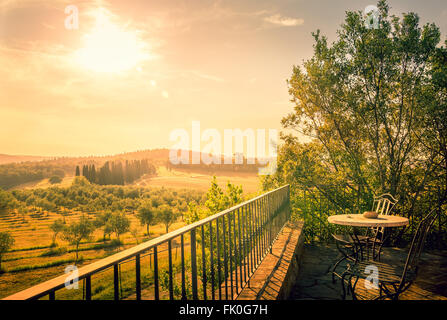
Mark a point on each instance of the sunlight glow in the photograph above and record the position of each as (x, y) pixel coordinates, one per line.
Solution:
(109, 48)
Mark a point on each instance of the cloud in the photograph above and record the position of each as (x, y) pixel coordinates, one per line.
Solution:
(284, 21)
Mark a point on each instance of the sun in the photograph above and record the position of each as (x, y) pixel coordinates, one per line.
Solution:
(109, 48)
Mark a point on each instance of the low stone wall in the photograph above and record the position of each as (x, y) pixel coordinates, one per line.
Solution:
(276, 275)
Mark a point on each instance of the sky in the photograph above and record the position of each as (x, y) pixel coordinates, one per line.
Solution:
(131, 72)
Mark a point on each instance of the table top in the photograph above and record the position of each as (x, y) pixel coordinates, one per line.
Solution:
(358, 220)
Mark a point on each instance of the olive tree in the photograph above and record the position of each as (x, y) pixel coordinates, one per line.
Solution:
(56, 227)
(78, 231)
(101, 221)
(118, 223)
(166, 215)
(146, 215)
(6, 242)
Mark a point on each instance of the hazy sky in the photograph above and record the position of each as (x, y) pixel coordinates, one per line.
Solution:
(135, 70)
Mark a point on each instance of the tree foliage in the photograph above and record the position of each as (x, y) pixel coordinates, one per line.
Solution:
(55, 179)
(217, 200)
(146, 215)
(56, 227)
(78, 231)
(166, 215)
(7, 201)
(116, 173)
(6, 242)
(118, 223)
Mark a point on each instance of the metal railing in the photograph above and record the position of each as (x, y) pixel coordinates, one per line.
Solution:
(224, 251)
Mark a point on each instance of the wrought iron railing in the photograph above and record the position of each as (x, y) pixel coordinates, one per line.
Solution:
(218, 255)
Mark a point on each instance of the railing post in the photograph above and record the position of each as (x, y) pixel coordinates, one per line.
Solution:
(258, 231)
(212, 261)
(156, 288)
(270, 212)
(239, 257)
(219, 267)
(171, 285)
(225, 258)
(182, 254)
(250, 236)
(258, 234)
(265, 225)
(116, 282)
(203, 264)
(88, 288)
(137, 277)
(230, 252)
(194, 265)
(236, 251)
(246, 243)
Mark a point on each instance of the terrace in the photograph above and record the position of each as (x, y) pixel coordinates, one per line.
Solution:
(315, 281)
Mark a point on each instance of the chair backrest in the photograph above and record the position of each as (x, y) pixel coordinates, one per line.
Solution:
(417, 244)
(384, 203)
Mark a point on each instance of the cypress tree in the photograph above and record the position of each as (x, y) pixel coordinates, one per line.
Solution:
(84, 171)
(93, 174)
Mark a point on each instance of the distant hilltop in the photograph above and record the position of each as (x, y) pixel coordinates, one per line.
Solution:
(155, 154)
(6, 158)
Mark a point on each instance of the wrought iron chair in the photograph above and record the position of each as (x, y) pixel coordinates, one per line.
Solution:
(351, 246)
(384, 205)
(392, 280)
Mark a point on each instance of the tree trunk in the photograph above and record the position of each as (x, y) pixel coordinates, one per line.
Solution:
(77, 249)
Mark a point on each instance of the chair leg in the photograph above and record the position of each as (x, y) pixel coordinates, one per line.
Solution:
(351, 287)
(335, 267)
(342, 281)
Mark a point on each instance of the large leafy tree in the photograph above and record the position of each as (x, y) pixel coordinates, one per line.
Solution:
(433, 136)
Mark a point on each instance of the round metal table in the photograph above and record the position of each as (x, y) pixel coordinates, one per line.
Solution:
(359, 245)
(358, 220)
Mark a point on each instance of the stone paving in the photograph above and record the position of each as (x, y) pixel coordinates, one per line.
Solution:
(315, 283)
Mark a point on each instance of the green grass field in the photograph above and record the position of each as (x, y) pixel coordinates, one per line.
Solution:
(173, 179)
(32, 259)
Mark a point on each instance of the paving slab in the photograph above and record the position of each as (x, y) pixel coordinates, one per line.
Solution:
(314, 281)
